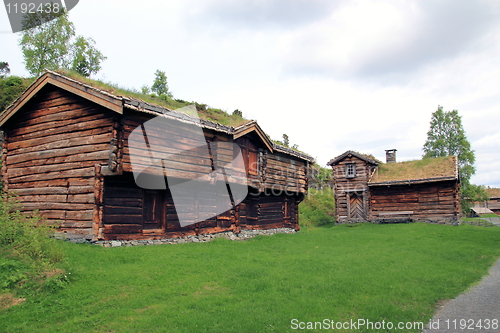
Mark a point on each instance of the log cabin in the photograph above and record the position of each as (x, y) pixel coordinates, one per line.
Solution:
(368, 190)
(493, 203)
(69, 154)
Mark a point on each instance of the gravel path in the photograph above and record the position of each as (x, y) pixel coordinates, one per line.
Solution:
(494, 220)
(481, 302)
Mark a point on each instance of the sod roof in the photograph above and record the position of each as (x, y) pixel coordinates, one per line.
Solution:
(420, 171)
(493, 192)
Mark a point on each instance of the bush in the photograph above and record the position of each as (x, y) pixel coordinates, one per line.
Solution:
(28, 253)
(10, 89)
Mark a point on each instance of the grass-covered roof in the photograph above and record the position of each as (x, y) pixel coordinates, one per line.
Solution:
(204, 111)
(493, 192)
(426, 169)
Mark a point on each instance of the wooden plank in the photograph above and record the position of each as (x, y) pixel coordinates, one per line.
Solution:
(408, 212)
(116, 192)
(30, 126)
(18, 172)
(70, 114)
(79, 215)
(42, 198)
(84, 172)
(123, 202)
(98, 152)
(122, 219)
(121, 210)
(180, 140)
(67, 143)
(122, 228)
(127, 167)
(68, 182)
(34, 111)
(88, 135)
(76, 224)
(80, 126)
(55, 206)
(81, 198)
(172, 165)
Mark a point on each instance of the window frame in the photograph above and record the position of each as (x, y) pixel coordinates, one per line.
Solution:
(350, 170)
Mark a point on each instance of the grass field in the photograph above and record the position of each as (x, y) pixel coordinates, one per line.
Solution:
(395, 273)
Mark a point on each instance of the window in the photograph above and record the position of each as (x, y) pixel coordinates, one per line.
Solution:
(253, 162)
(286, 209)
(350, 170)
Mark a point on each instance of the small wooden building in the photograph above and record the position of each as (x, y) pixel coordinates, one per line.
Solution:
(368, 190)
(493, 204)
(67, 154)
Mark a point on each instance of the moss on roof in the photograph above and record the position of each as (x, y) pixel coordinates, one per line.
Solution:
(426, 168)
(370, 156)
(493, 192)
(204, 111)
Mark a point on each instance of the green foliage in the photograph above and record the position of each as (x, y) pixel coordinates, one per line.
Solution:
(28, 251)
(472, 193)
(318, 208)
(160, 86)
(145, 90)
(286, 140)
(50, 46)
(10, 88)
(446, 137)
(4, 69)
(47, 45)
(238, 113)
(86, 58)
(259, 285)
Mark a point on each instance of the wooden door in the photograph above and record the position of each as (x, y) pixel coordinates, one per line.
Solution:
(356, 207)
(152, 209)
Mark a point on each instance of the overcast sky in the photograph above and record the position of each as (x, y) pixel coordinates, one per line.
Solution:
(333, 75)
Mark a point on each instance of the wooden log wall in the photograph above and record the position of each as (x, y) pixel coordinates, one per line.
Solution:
(283, 175)
(266, 212)
(123, 211)
(53, 144)
(344, 185)
(276, 171)
(122, 205)
(429, 201)
(186, 158)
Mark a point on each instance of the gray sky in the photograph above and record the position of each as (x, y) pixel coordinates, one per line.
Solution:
(333, 75)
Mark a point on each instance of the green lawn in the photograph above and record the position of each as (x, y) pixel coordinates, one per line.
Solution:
(394, 273)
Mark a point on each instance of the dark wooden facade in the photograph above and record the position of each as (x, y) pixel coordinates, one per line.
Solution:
(426, 201)
(360, 197)
(351, 173)
(66, 153)
(493, 203)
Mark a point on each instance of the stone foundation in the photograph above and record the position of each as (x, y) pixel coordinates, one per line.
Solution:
(243, 235)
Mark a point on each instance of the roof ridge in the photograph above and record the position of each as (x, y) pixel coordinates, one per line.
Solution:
(355, 153)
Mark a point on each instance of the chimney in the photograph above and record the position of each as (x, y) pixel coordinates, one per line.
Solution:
(390, 156)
